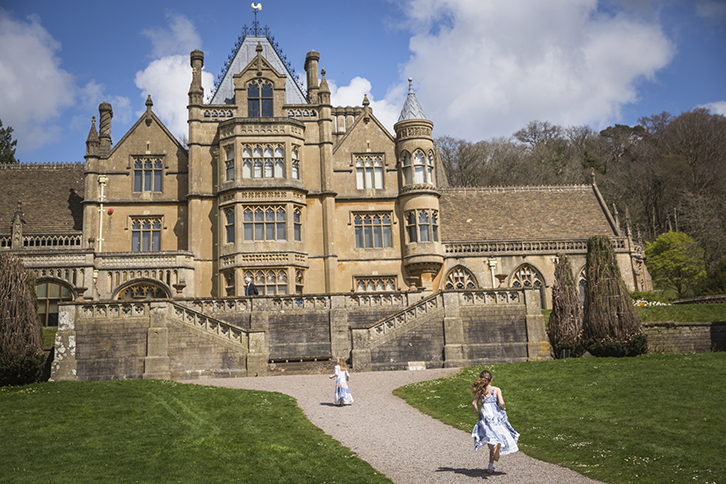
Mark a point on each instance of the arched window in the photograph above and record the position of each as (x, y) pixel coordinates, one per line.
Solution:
(372, 231)
(264, 223)
(419, 167)
(406, 168)
(142, 290)
(295, 164)
(230, 164)
(527, 277)
(269, 282)
(259, 99)
(297, 224)
(49, 294)
(460, 278)
(369, 172)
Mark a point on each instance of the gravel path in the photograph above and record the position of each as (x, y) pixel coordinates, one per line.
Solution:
(396, 439)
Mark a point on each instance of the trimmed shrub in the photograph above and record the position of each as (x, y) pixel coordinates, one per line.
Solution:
(610, 324)
(565, 324)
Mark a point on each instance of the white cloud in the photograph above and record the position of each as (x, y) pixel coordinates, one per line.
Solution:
(167, 78)
(180, 38)
(386, 110)
(718, 107)
(486, 68)
(34, 88)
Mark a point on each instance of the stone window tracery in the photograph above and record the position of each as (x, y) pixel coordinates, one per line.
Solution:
(142, 290)
(259, 99)
(418, 168)
(460, 278)
(372, 231)
(145, 234)
(299, 281)
(147, 175)
(527, 277)
(297, 224)
(269, 282)
(264, 223)
(369, 172)
(263, 161)
(375, 284)
(422, 225)
(229, 164)
(295, 163)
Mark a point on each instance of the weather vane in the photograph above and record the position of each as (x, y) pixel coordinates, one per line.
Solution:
(255, 24)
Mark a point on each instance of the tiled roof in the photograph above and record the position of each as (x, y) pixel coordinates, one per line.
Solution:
(522, 213)
(411, 107)
(51, 196)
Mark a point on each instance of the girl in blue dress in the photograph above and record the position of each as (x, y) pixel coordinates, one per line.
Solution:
(493, 428)
(342, 392)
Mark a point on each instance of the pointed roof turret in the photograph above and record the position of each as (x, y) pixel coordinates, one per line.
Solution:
(411, 107)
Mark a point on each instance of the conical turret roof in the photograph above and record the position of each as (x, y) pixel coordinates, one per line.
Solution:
(411, 107)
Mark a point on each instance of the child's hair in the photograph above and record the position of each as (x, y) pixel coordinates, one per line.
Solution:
(479, 386)
(341, 364)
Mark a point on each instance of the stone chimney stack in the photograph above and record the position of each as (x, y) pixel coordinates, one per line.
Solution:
(311, 67)
(196, 91)
(104, 136)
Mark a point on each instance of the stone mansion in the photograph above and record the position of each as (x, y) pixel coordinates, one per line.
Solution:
(277, 184)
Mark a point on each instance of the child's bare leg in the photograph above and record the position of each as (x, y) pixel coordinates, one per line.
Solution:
(491, 453)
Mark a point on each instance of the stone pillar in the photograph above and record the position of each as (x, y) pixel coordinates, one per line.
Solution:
(339, 339)
(453, 331)
(361, 353)
(538, 346)
(65, 366)
(156, 363)
(258, 353)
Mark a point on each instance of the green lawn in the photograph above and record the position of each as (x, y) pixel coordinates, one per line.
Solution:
(155, 431)
(650, 419)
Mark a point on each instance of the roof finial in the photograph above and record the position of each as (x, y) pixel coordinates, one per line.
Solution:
(255, 24)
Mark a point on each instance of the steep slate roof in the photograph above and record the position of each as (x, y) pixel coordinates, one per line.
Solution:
(411, 107)
(52, 196)
(246, 54)
(522, 213)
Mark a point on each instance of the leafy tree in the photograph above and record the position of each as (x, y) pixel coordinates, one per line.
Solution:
(7, 145)
(675, 261)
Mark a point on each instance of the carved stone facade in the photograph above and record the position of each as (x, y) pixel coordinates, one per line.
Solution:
(307, 197)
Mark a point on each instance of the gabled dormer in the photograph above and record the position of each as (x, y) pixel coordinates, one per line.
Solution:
(246, 57)
(259, 89)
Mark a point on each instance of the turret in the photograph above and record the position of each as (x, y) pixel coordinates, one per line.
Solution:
(418, 198)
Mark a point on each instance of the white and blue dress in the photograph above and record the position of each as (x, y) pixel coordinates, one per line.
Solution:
(493, 427)
(341, 386)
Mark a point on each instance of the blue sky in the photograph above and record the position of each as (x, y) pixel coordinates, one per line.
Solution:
(481, 68)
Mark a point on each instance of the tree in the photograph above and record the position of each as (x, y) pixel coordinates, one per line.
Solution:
(610, 325)
(675, 261)
(21, 355)
(565, 325)
(7, 145)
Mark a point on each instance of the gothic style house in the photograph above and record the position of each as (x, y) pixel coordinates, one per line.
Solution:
(279, 185)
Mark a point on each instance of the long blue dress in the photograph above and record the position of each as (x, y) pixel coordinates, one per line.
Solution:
(341, 386)
(493, 427)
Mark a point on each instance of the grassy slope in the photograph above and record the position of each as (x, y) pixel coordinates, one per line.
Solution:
(650, 419)
(160, 431)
